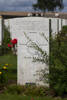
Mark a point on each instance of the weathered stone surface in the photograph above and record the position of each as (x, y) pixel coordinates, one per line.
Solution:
(32, 27)
(27, 69)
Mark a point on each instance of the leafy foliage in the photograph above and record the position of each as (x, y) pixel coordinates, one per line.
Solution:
(49, 5)
(4, 48)
(57, 76)
(58, 62)
(41, 54)
(29, 90)
(3, 75)
(6, 38)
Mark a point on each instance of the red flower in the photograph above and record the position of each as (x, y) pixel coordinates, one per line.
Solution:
(11, 41)
(14, 41)
(10, 46)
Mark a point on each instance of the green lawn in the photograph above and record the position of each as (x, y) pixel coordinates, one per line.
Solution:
(12, 68)
(20, 97)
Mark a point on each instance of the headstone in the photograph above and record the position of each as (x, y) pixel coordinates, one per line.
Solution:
(29, 29)
(33, 28)
(64, 22)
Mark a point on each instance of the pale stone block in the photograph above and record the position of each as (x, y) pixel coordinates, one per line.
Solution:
(33, 27)
(27, 69)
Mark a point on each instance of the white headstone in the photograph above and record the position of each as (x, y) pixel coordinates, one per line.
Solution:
(32, 27)
(64, 22)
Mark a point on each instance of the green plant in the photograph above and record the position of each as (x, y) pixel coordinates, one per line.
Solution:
(28, 90)
(57, 76)
(4, 50)
(57, 61)
(3, 75)
(6, 37)
(11, 59)
(4, 47)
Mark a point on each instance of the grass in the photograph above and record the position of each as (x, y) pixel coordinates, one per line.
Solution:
(12, 68)
(20, 97)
